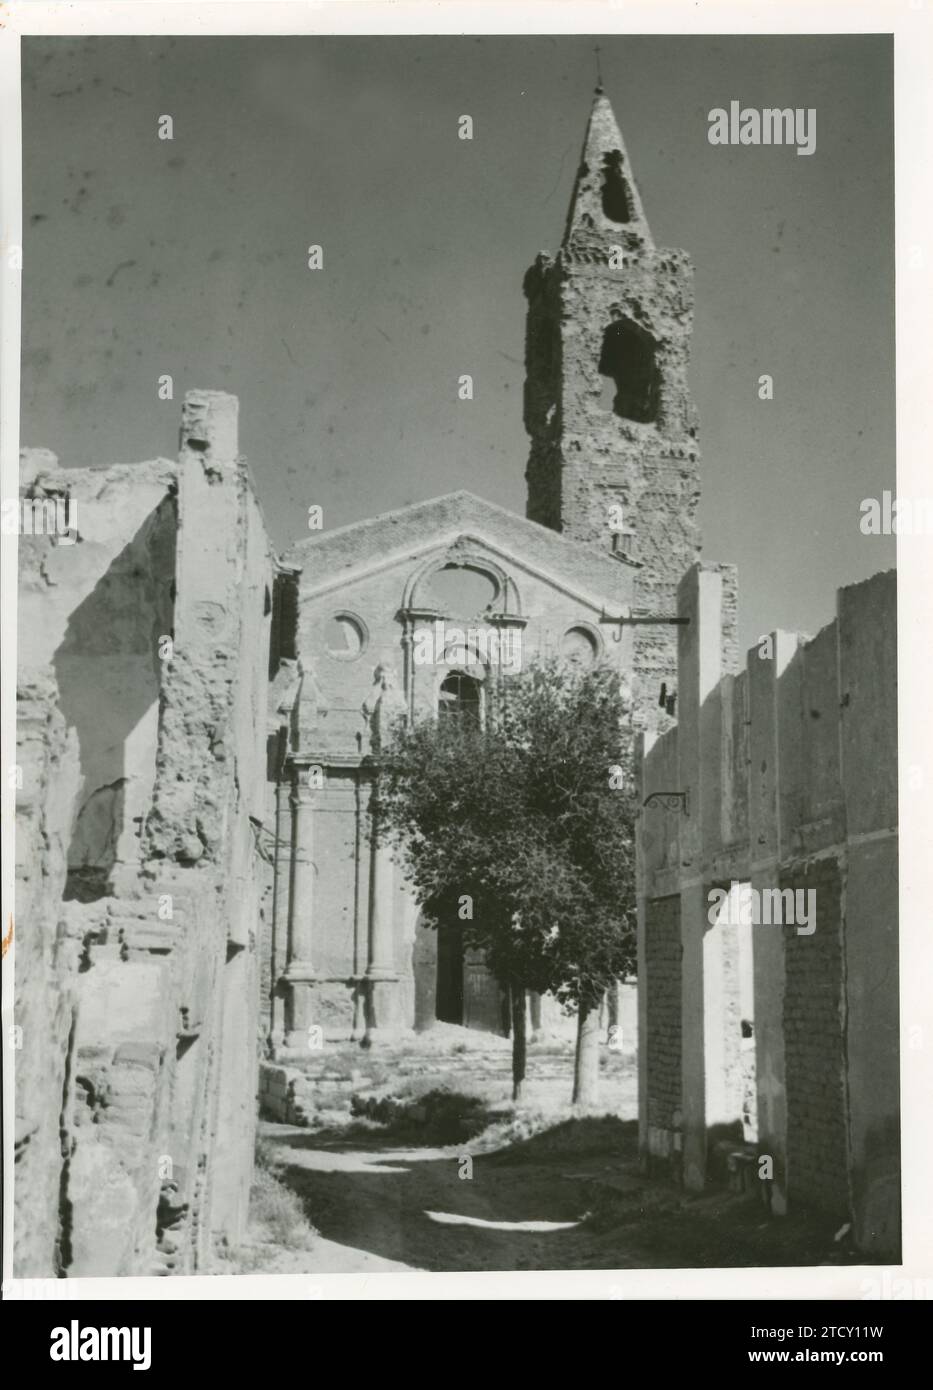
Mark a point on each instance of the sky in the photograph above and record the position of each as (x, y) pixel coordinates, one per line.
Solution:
(189, 257)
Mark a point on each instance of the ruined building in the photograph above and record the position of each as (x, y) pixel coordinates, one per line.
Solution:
(614, 455)
(199, 854)
(142, 691)
(612, 492)
(769, 1047)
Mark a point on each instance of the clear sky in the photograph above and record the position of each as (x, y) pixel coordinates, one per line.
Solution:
(189, 257)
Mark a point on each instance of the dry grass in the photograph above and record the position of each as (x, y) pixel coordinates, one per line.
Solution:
(276, 1215)
(277, 1220)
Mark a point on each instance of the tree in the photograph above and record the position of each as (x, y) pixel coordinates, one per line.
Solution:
(528, 821)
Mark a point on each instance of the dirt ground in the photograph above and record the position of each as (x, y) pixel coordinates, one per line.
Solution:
(535, 1187)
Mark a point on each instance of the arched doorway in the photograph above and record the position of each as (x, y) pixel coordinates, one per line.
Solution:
(448, 1007)
(453, 983)
(437, 965)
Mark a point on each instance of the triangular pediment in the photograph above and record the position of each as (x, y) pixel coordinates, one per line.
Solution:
(456, 527)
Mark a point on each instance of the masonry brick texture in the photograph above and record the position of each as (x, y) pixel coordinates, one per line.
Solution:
(663, 1043)
(814, 1046)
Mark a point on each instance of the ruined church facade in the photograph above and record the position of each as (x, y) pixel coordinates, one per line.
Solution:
(363, 613)
(201, 873)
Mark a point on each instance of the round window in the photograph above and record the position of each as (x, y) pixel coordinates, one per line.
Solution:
(579, 646)
(345, 637)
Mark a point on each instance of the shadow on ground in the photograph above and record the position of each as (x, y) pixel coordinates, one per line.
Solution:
(568, 1197)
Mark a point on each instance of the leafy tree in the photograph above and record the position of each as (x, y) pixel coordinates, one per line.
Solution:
(524, 829)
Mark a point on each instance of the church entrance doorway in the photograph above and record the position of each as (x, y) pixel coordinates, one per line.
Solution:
(449, 996)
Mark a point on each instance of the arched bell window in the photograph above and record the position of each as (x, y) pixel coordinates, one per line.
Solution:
(628, 359)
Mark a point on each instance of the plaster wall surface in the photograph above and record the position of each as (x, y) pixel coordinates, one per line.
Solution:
(142, 739)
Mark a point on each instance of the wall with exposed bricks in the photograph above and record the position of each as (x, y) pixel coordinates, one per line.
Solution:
(787, 779)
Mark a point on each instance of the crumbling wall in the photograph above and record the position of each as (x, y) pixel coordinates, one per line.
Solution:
(204, 834)
(91, 597)
(137, 1128)
(45, 960)
(784, 778)
(93, 604)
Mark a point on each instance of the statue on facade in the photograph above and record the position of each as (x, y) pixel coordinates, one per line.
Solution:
(384, 707)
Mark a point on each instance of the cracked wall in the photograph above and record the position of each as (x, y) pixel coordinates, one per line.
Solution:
(142, 741)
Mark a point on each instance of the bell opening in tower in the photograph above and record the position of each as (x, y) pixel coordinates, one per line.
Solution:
(615, 199)
(628, 359)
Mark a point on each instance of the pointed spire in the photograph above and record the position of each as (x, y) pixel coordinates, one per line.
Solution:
(605, 198)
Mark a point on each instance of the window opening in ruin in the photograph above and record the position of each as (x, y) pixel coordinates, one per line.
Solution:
(459, 698)
(616, 205)
(344, 636)
(628, 358)
(729, 1019)
(283, 634)
(462, 591)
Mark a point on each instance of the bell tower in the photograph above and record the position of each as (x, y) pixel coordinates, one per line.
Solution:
(614, 456)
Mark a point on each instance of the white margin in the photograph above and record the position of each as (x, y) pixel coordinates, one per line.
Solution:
(911, 22)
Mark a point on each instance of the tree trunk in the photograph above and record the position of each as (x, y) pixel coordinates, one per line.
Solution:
(517, 992)
(586, 1062)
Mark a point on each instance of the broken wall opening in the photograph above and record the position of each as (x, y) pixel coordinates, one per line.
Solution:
(462, 591)
(614, 193)
(283, 635)
(629, 360)
(728, 1019)
(109, 673)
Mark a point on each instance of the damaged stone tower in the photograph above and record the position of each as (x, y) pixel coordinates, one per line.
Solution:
(614, 456)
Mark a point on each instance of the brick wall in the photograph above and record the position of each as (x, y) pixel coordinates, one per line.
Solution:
(663, 1043)
(813, 1047)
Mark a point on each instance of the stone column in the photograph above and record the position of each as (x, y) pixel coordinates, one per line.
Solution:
(381, 975)
(299, 972)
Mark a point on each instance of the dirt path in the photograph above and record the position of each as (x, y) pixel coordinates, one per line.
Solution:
(570, 1197)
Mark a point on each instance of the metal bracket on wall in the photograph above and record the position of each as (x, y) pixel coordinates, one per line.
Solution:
(643, 619)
